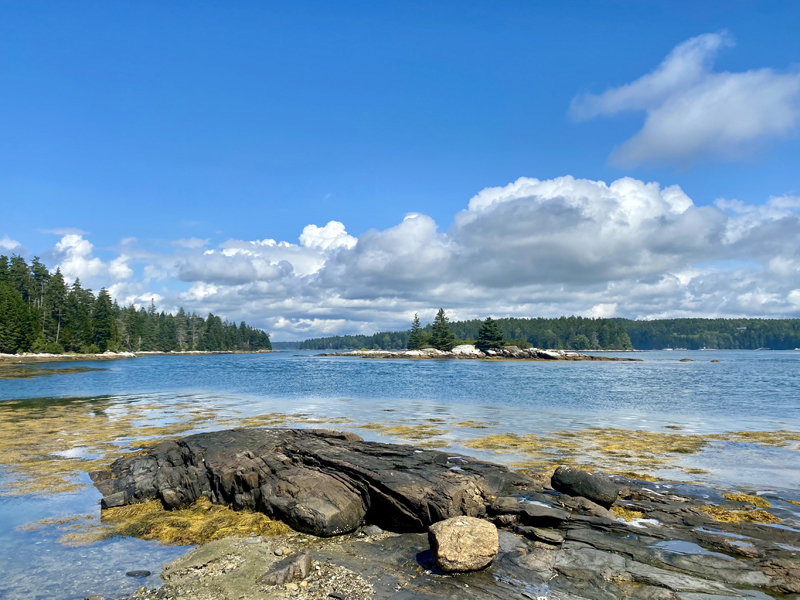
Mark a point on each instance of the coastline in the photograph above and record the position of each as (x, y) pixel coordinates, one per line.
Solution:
(28, 358)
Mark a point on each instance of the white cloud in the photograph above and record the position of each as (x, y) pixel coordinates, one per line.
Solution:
(329, 237)
(694, 112)
(6, 243)
(65, 231)
(74, 254)
(531, 248)
(119, 269)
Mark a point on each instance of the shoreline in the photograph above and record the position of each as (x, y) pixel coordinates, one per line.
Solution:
(29, 358)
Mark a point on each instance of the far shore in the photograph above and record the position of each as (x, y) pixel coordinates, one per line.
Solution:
(30, 357)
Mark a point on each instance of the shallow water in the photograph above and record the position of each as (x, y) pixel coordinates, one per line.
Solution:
(458, 400)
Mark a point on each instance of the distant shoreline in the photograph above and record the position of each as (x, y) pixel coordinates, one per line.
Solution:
(38, 358)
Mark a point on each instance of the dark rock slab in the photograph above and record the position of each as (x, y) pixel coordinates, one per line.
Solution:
(575, 482)
(320, 482)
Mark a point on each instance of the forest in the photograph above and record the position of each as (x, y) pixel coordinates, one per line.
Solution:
(40, 312)
(579, 333)
(723, 334)
(572, 333)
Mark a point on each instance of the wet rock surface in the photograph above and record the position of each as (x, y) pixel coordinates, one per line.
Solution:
(550, 545)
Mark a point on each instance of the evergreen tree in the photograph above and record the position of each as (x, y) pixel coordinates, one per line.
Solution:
(16, 328)
(417, 339)
(55, 298)
(490, 336)
(104, 325)
(441, 336)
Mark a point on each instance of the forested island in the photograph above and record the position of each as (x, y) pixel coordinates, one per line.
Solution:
(40, 312)
(579, 333)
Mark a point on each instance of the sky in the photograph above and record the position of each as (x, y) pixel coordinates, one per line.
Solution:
(319, 168)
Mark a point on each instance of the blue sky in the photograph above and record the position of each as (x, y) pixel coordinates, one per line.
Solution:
(248, 121)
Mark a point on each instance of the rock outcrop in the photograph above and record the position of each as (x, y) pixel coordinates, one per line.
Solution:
(320, 482)
(550, 544)
(468, 351)
(463, 544)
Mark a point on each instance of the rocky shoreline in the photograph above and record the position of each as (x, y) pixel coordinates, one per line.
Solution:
(361, 510)
(468, 351)
(32, 357)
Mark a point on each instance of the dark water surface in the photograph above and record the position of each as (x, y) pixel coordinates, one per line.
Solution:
(745, 391)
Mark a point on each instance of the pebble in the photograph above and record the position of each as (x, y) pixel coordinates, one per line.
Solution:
(279, 552)
(291, 586)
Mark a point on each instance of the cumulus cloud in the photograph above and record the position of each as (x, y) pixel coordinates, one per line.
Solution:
(530, 248)
(693, 111)
(7, 244)
(74, 255)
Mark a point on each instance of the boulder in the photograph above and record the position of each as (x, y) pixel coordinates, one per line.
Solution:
(574, 482)
(463, 544)
(466, 350)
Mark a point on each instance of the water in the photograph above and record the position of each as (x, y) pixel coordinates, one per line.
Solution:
(746, 391)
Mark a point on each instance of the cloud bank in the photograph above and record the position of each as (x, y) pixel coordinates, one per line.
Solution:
(530, 248)
(694, 112)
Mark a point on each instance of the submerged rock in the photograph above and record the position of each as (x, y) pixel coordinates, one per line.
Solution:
(575, 482)
(463, 544)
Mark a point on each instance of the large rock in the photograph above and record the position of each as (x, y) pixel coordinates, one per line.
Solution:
(463, 543)
(320, 482)
(574, 482)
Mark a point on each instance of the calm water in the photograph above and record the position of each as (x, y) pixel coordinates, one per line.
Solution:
(755, 391)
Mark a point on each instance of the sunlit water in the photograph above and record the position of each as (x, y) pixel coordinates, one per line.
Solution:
(756, 391)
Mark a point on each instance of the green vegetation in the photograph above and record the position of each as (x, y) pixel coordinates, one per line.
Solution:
(726, 334)
(442, 338)
(578, 333)
(39, 312)
(570, 333)
(490, 336)
(417, 338)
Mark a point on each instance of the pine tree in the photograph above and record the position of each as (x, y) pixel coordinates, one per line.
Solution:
(417, 339)
(55, 297)
(441, 337)
(490, 337)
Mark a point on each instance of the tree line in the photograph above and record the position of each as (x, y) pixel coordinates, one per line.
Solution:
(724, 334)
(40, 312)
(579, 333)
(567, 333)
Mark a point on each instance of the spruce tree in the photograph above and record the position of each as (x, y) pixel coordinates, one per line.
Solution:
(417, 338)
(104, 325)
(441, 337)
(490, 337)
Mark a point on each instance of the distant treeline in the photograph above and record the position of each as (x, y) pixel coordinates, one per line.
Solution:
(569, 333)
(40, 312)
(724, 334)
(578, 333)
(286, 345)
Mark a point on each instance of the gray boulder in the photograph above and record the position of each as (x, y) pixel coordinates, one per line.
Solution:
(574, 482)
